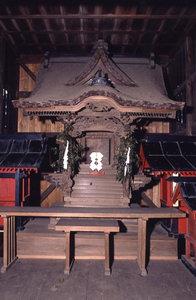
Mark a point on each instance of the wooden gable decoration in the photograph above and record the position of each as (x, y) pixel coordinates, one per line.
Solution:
(101, 61)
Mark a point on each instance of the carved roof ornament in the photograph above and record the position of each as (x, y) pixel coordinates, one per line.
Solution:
(101, 62)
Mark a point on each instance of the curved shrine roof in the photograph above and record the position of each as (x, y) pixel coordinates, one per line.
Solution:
(67, 81)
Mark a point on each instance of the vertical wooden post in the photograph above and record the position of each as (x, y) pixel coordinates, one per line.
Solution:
(5, 245)
(67, 253)
(9, 243)
(107, 253)
(141, 258)
(189, 95)
(2, 66)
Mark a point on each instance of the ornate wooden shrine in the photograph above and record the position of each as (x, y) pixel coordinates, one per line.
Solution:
(98, 101)
(95, 104)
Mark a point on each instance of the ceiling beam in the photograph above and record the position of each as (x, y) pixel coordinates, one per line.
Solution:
(91, 44)
(25, 10)
(15, 24)
(129, 29)
(82, 37)
(190, 25)
(183, 11)
(67, 31)
(98, 11)
(47, 24)
(62, 12)
(116, 24)
(7, 34)
(97, 16)
(161, 26)
(145, 23)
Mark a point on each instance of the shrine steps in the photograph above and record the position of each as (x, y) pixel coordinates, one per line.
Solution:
(36, 241)
(97, 191)
(107, 170)
(94, 201)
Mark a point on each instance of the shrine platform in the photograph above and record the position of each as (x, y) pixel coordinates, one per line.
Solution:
(37, 241)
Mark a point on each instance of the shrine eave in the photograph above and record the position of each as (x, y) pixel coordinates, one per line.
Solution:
(112, 99)
(137, 112)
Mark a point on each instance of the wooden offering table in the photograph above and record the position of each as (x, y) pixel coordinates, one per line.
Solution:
(87, 225)
(142, 214)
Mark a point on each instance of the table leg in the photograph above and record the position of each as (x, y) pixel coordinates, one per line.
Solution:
(142, 224)
(107, 253)
(67, 253)
(9, 243)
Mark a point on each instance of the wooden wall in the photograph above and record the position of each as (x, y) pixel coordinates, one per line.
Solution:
(34, 124)
(8, 86)
(181, 73)
(26, 83)
(157, 127)
(54, 197)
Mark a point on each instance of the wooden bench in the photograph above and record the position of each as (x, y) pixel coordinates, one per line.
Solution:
(142, 214)
(87, 225)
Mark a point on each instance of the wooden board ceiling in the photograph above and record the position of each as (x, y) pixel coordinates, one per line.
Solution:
(133, 28)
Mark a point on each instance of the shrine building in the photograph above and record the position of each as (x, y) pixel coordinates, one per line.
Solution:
(97, 132)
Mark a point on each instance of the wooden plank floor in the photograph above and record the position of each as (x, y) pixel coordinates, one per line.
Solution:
(36, 241)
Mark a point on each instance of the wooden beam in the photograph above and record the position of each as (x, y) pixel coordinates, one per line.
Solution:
(97, 16)
(82, 37)
(191, 78)
(183, 11)
(90, 44)
(145, 23)
(28, 71)
(129, 29)
(97, 11)
(161, 26)
(65, 31)
(47, 191)
(7, 34)
(47, 24)
(147, 200)
(25, 11)
(190, 25)
(95, 31)
(116, 24)
(189, 67)
(15, 24)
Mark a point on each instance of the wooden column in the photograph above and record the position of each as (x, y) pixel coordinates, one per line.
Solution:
(141, 257)
(107, 253)
(189, 95)
(2, 61)
(9, 243)
(67, 252)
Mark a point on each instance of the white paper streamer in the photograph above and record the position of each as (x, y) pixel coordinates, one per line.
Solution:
(65, 157)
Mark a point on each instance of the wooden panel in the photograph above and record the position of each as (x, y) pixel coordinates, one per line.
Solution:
(88, 245)
(34, 124)
(156, 127)
(26, 83)
(54, 197)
